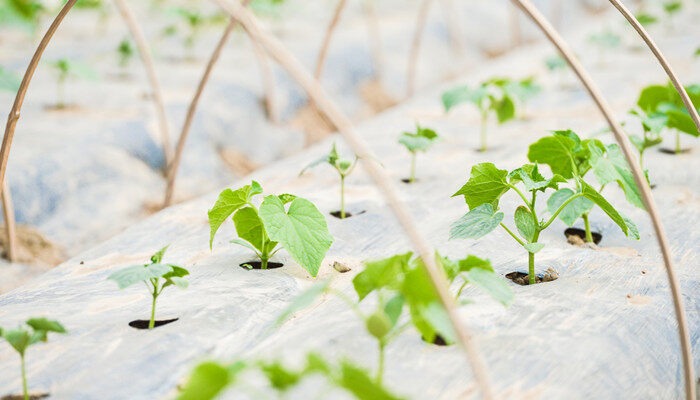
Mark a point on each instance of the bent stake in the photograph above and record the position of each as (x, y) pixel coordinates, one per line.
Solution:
(553, 36)
(314, 90)
(9, 214)
(415, 46)
(327, 38)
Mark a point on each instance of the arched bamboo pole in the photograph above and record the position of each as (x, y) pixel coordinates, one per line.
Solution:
(314, 90)
(9, 214)
(516, 33)
(375, 41)
(415, 46)
(268, 80)
(157, 94)
(320, 61)
(662, 60)
(531, 11)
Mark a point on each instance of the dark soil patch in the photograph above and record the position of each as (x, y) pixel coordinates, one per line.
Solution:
(21, 397)
(258, 265)
(143, 323)
(672, 152)
(581, 234)
(438, 341)
(347, 214)
(408, 181)
(523, 279)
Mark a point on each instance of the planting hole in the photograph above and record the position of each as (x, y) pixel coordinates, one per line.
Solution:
(523, 279)
(673, 152)
(143, 323)
(347, 214)
(577, 237)
(258, 265)
(408, 181)
(438, 341)
(21, 397)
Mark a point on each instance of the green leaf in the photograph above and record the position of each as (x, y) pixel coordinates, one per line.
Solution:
(505, 109)
(681, 120)
(228, 202)
(206, 382)
(573, 210)
(646, 19)
(555, 151)
(303, 300)
(476, 223)
(525, 223)
(358, 382)
(176, 277)
(393, 308)
(302, 230)
(286, 198)
(652, 96)
(614, 168)
(486, 185)
(249, 227)
(243, 243)
(529, 175)
(316, 363)
(138, 273)
(473, 262)
(47, 325)
(279, 376)
(377, 274)
(18, 338)
(158, 257)
(422, 140)
(600, 201)
(436, 315)
(491, 283)
(534, 247)
(634, 231)
(462, 94)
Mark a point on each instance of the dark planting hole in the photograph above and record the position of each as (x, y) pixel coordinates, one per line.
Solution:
(597, 237)
(347, 214)
(653, 186)
(258, 265)
(523, 279)
(438, 341)
(143, 323)
(21, 397)
(408, 181)
(666, 150)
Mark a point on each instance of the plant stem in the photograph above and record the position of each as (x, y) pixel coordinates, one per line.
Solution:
(24, 378)
(413, 168)
(342, 197)
(484, 122)
(152, 322)
(380, 368)
(678, 142)
(531, 268)
(587, 224)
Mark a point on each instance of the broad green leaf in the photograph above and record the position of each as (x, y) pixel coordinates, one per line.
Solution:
(530, 176)
(18, 338)
(243, 243)
(302, 230)
(420, 294)
(652, 96)
(206, 382)
(476, 223)
(377, 274)
(316, 363)
(138, 273)
(473, 262)
(573, 210)
(534, 247)
(555, 151)
(491, 283)
(43, 324)
(358, 382)
(486, 185)
(646, 19)
(462, 94)
(634, 231)
(393, 308)
(436, 315)
(158, 257)
(525, 223)
(419, 141)
(249, 227)
(228, 202)
(303, 300)
(322, 160)
(682, 121)
(614, 168)
(279, 376)
(505, 109)
(287, 198)
(600, 201)
(177, 281)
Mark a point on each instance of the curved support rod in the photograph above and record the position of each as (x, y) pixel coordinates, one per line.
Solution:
(516, 34)
(147, 59)
(531, 11)
(321, 60)
(375, 41)
(314, 90)
(662, 60)
(268, 81)
(9, 214)
(12, 124)
(415, 46)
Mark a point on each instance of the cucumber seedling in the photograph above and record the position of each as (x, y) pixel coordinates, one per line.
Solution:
(422, 140)
(492, 97)
(487, 184)
(156, 275)
(299, 228)
(125, 53)
(64, 70)
(22, 337)
(343, 167)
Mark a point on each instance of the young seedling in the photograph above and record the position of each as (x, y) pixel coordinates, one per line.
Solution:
(491, 97)
(652, 125)
(661, 105)
(125, 53)
(646, 19)
(420, 141)
(9, 81)
(299, 228)
(195, 22)
(343, 166)
(487, 184)
(523, 90)
(21, 338)
(607, 163)
(151, 274)
(23, 13)
(66, 69)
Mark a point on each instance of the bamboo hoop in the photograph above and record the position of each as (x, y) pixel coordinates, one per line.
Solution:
(375, 41)
(415, 46)
(660, 57)
(268, 81)
(148, 64)
(315, 91)
(553, 36)
(10, 229)
(320, 61)
(516, 34)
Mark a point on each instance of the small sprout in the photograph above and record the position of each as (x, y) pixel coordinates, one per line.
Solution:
(555, 62)
(697, 53)
(125, 52)
(343, 166)
(151, 275)
(9, 81)
(22, 337)
(646, 19)
(494, 96)
(66, 69)
(422, 140)
(299, 228)
(672, 7)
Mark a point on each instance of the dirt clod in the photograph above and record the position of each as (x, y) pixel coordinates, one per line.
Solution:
(523, 279)
(340, 267)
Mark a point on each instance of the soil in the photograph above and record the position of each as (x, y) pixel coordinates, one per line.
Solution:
(340, 267)
(32, 247)
(376, 96)
(21, 397)
(348, 214)
(143, 323)
(258, 264)
(438, 341)
(523, 279)
(408, 181)
(577, 237)
(672, 152)
(314, 124)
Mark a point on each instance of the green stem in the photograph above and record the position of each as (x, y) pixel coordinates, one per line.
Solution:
(678, 142)
(531, 268)
(561, 207)
(587, 224)
(152, 322)
(484, 122)
(459, 292)
(380, 369)
(342, 197)
(512, 234)
(24, 378)
(413, 168)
